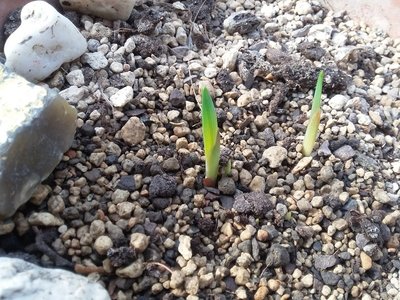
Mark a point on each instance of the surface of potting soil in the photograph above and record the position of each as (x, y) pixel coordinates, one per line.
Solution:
(129, 191)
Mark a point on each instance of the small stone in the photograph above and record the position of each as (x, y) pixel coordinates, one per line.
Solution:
(242, 276)
(366, 261)
(323, 262)
(307, 280)
(110, 9)
(184, 247)
(41, 44)
(122, 97)
(242, 22)
(102, 244)
(304, 205)
(177, 99)
(337, 102)
(227, 186)
(139, 242)
(261, 293)
(278, 256)
(133, 132)
(381, 196)
(227, 229)
(391, 218)
(171, 165)
(76, 78)
(206, 280)
(6, 227)
(192, 285)
(244, 100)
(330, 278)
(181, 36)
(345, 152)
(340, 224)
(303, 8)
(40, 194)
(275, 156)
(134, 270)
(125, 209)
(44, 219)
(257, 184)
(162, 186)
(95, 60)
(254, 203)
(229, 59)
(273, 284)
(304, 162)
(116, 67)
(177, 279)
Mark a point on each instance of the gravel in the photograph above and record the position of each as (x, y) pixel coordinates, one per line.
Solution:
(128, 196)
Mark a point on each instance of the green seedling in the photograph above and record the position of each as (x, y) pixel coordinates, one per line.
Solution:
(210, 137)
(315, 117)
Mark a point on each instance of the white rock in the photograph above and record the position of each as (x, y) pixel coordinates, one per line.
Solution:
(229, 59)
(303, 8)
(43, 42)
(116, 67)
(73, 94)
(95, 60)
(122, 97)
(76, 78)
(275, 155)
(184, 247)
(210, 72)
(337, 102)
(108, 9)
(22, 280)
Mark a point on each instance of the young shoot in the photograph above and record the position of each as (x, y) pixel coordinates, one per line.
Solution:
(315, 116)
(210, 138)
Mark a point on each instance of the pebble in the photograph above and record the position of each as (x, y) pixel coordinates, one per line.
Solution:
(134, 270)
(177, 279)
(275, 155)
(345, 152)
(139, 242)
(102, 244)
(184, 247)
(122, 97)
(242, 22)
(257, 184)
(303, 8)
(366, 261)
(307, 280)
(95, 60)
(337, 102)
(133, 132)
(44, 219)
(76, 78)
(227, 186)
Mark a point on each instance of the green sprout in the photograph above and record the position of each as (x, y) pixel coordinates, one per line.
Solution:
(210, 137)
(315, 117)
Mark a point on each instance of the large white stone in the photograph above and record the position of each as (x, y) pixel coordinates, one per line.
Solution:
(108, 9)
(36, 127)
(20, 280)
(43, 42)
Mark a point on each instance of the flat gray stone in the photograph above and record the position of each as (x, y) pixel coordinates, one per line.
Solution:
(36, 127)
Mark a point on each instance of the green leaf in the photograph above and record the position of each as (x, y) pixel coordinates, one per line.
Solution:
(210, 135)
(315, 117)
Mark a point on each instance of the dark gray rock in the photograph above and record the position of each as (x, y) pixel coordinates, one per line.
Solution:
(255, 203)
(177, 99)
(162, 186)
(242, 22)
(345, 152)
(330, 278)
(323, 262)
(278, 256)
(227, 186)
(127, 182)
